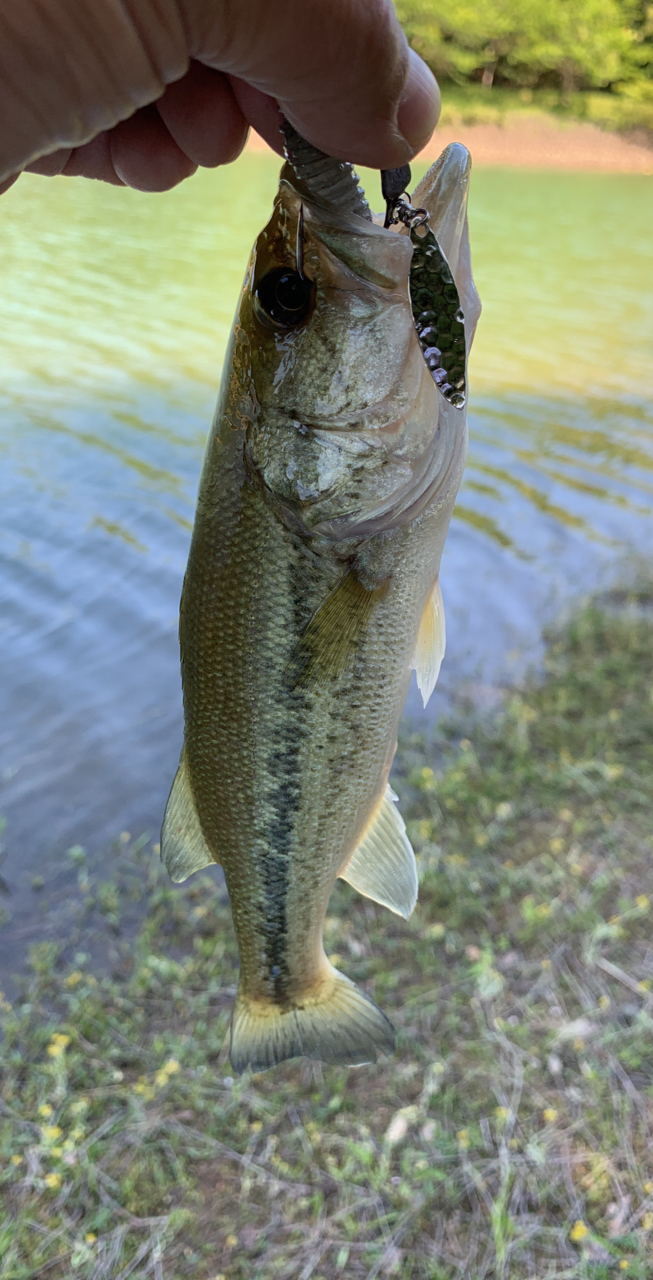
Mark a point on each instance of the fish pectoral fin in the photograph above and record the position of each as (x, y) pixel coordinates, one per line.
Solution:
(333, 634)
(431, 642)
(383, 867)
(183, 846)
(338, 1023)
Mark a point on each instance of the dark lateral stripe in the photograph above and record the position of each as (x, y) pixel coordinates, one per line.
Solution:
(284, 799)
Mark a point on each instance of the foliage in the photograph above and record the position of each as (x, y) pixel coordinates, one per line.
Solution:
(570, 44)
(510, 1135)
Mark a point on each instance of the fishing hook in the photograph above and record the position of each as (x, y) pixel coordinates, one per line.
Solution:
(299, 248)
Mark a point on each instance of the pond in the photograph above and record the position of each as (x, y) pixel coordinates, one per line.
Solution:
(116, 311)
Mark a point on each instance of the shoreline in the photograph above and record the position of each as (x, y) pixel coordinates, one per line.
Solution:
(535, 142)
(525, 978)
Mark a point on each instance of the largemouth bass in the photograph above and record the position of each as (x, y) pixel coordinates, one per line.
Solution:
(311, 592)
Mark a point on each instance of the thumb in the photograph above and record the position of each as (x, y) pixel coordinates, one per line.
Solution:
(341, 71)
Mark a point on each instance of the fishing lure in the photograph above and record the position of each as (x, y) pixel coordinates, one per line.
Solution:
(435, 302)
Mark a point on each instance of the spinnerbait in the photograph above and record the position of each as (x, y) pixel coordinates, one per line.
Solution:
(434, 297)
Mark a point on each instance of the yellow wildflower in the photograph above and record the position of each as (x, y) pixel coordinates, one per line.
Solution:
(16, 1159)
(556, 845)
(51, 1132)
(647, 1220)
(578, 1231)
(648, 1187)
(73, 978)
(435, 931)
(58, 1044)
(45, 1110)
(624, 1264)
(90, 1237)
(231, 1242)
(53, 1180)
(550, 1115)
(462, 1137)
(642, 902)
(501, 1113)
(164, 1073)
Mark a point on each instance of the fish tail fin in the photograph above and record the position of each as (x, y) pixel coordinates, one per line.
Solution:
(337, 1024)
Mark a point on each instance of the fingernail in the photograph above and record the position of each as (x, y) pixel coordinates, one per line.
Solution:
(419, 108)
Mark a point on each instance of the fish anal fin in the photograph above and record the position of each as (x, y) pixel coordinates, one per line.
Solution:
(332, 637)
(337, 1023)
(383, 866)
(431, 641)
(183, 846)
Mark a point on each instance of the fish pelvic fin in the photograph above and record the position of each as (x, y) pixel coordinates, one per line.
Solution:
(337, 1024)
(431, 643)
(383, 866)
(333, 635)
(183, 846)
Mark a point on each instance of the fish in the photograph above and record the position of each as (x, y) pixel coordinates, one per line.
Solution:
(312, 586)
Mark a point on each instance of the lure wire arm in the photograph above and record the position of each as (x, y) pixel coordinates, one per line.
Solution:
(299, 247)
(394, 185)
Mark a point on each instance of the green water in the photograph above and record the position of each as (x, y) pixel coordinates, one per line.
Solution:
(102, 283)
(116, 310)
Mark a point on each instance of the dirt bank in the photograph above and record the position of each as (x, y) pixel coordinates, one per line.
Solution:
(537, 142)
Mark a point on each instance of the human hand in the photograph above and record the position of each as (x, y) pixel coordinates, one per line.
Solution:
(141, 92)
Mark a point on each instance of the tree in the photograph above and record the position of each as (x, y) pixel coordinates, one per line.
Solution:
(574, 43)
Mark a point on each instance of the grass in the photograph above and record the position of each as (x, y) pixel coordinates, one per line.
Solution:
(630, 111)
(510, 1135)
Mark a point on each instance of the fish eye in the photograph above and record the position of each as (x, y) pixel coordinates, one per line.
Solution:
(285, 296)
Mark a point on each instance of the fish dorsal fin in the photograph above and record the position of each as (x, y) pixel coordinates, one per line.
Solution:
(431, 641)
(333, 635)
(383, 866)
(183, 847)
